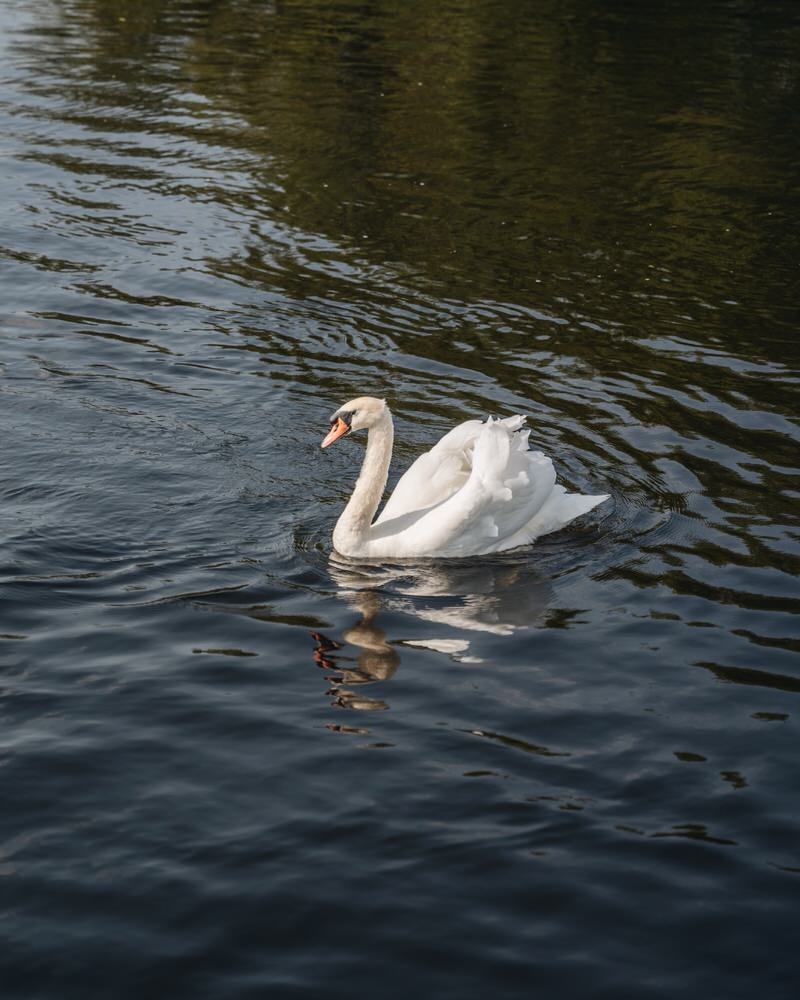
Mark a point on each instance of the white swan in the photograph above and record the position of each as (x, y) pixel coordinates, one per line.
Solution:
(479, 490)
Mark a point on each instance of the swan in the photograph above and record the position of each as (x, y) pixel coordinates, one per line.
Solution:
(478, 491)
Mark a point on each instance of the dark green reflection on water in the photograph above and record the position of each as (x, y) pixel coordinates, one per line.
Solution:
(500, 147)
(591, 205)
(621, 173)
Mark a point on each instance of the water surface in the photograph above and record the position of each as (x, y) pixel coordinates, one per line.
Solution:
(236, 766)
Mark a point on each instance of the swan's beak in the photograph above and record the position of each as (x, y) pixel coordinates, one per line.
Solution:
(338, 428)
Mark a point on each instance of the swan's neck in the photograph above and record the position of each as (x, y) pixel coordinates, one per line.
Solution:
(353, 526)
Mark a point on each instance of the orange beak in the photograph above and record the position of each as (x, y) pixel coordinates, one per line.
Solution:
(337, 430)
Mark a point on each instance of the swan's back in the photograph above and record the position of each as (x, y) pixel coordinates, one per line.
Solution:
(479, 490)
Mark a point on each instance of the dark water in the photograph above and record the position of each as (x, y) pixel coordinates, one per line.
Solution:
(232, 768)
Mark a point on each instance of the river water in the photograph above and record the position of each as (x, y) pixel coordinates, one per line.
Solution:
(236, 767)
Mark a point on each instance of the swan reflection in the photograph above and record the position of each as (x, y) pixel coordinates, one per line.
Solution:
(495, 597)
(376, 661)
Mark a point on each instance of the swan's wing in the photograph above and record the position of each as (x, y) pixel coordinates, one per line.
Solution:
(507, 490)
(436, 475)
(439, 473)
(506, 485)
(534, 505)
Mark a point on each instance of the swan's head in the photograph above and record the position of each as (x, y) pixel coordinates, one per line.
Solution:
(358, 414)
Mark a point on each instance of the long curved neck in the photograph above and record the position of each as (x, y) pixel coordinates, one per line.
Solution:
(352, 527)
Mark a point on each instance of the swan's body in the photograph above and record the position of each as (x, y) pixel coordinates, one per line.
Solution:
(478, 491)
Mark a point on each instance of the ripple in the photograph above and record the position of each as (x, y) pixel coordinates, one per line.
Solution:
(220, 220)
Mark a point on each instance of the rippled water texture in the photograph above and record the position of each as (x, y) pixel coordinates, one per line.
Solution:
(236, 767)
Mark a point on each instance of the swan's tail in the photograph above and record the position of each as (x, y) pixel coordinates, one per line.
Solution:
(557, 511)
(525, 502)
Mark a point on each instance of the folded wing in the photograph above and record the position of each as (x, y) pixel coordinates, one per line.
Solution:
(439, 473)
(479, 490)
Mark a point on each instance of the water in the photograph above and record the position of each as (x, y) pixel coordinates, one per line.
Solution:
(236, 767)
